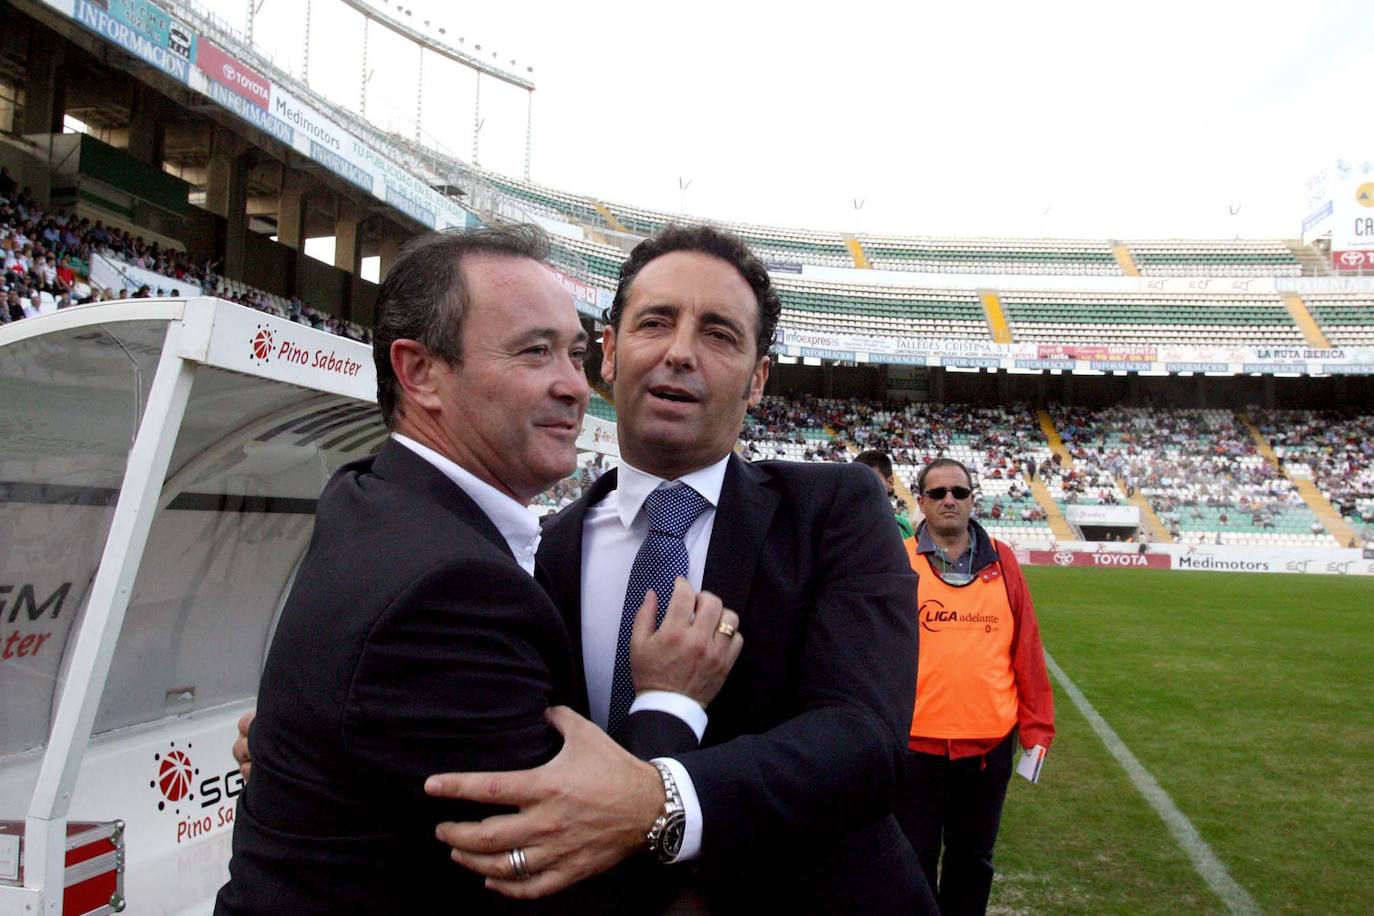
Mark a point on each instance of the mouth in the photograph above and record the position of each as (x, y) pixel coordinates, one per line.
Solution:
(560, 426)
(673, 395)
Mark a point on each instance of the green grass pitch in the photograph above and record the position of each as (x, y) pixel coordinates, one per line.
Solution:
(1250, 698)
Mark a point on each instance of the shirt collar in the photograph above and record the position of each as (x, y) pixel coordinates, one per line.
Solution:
(924, 544)
(515, 521)
(633, 486)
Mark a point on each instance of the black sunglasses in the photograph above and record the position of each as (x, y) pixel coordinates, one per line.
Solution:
(939, 492)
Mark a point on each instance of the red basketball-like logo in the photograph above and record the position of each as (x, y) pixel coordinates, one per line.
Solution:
(262, 344)
(175, 777)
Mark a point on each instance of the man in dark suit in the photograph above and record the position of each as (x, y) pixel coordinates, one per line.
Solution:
(416, 638)
(788, 777)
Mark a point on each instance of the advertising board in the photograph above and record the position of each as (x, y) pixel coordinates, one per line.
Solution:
(1352, 215)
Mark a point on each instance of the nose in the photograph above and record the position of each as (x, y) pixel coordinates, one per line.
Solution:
(571, 383)
(681, 353)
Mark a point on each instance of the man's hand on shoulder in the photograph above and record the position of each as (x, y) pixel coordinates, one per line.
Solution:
(241, 756)
(580, 814)
(692, 651)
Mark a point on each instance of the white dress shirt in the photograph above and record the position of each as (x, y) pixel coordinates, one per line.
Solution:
(612, 533)
(512, 519)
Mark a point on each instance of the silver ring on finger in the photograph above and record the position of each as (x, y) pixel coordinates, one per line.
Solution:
(519, 868)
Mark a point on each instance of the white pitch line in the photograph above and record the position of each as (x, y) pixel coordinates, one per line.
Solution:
(1205, 861)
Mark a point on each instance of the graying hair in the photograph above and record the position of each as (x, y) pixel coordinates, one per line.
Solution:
(424, 296)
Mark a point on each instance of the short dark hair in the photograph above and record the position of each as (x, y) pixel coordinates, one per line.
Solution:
(877, 459)
(718, 243)
(425, 298)
(941, 463)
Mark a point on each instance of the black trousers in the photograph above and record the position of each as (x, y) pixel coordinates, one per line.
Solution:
(956, 804)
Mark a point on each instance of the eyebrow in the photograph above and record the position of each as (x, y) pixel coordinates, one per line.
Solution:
(547, 334)
(671, 310)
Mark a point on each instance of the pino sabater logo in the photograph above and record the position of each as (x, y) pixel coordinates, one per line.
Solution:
(175, 775)
(262, 344)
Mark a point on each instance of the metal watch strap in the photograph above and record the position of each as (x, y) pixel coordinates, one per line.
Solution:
(672, 807)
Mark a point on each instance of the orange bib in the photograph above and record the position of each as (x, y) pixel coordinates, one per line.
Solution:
(965, 687)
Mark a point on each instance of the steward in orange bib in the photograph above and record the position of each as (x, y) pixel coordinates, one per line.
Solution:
(981, 680)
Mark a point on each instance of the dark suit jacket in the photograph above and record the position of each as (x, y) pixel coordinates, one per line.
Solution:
(807, 740)
(412, 643)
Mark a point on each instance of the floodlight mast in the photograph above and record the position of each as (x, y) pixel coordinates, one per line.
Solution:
(443, 49)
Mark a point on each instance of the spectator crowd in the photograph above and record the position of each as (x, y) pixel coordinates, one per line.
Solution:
(46, 260)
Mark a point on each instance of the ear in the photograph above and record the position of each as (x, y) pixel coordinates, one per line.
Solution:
(608, 355)
(418, 373)
(757, 380)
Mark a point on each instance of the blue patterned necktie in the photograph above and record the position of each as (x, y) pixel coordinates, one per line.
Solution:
(661, 559)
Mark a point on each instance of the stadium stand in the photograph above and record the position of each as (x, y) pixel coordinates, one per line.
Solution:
(1150, 318)
(1347, 319)
(590, 261)
(998, 445)
(600, 407)
(1200, 470)
(800, 246)
(1335, 448)
(46, 262)
(883, 310)
(794, 429)
(1203, 258)
(991, 256)
(546, 200)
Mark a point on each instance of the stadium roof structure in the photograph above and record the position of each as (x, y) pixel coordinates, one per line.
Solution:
(430, 43)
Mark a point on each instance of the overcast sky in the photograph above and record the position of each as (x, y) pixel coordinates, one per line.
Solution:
(1093, 119)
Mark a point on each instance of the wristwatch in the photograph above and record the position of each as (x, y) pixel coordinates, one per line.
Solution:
(665, 836)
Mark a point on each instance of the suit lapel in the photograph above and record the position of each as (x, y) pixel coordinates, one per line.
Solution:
(560, 561)
(743, 517)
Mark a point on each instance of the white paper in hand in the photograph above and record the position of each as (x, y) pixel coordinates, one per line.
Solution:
(1030, 763)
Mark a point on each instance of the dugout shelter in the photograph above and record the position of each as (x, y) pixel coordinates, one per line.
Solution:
(160, 461)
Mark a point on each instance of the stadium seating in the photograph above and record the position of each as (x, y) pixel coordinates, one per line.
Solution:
(990, 256)
(996, 444)
(600, 407)
(1150, 318)
(549, 201)
(590, 261)
(1200, 470)
(21, 219)
(1215, 258)
(880, 310)
(1335, 448)
(797, 246)
(1347, 319)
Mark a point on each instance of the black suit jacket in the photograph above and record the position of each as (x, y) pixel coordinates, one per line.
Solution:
(412, 643)
(806, 742)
